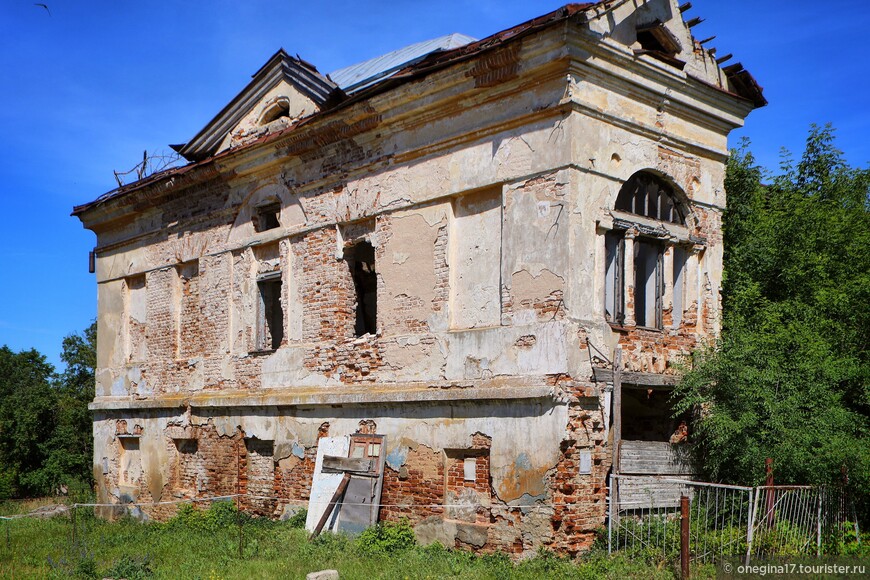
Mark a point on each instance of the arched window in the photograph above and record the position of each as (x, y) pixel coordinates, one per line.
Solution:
(648, 195)
(638, 261)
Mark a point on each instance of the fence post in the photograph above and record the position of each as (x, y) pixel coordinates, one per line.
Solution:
(74, 524)
(770, 496)
(684, 537)
(819, 491)
(610, 517)
(750, 524)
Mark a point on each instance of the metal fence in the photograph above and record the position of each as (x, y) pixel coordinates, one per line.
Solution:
(726, 521)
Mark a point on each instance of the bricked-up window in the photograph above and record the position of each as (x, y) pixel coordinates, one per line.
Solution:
(136, 310)
(261, 472)
(467, 486)
(266, 217)
(189, 312)
(475, 260)
(186, 464)
(130, 464)
(270, 313)
(360, 259)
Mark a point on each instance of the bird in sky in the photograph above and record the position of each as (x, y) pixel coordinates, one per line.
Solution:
(44, 6)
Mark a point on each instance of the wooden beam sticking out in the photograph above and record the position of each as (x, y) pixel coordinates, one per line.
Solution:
(727, 57)
(694, 22)
(601, 375)
(617, 407)
(339, 493)
(706, 40)
(686, 6)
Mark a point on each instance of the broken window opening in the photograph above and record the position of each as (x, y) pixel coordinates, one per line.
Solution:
(648, 415)
(648, 284)
(275, 112)
(656, 37)
(266, 217)
(360, 259)
(648, 195)
(270, 318)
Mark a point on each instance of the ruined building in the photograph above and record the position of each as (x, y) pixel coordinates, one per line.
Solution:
(442, 249)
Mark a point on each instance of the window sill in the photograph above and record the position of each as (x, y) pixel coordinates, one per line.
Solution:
(262, 352)
(650, 328)
(618, 327)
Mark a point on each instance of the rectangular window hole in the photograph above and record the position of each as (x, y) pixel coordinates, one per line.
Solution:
(270, 319)
(266, 217)
(360, 259)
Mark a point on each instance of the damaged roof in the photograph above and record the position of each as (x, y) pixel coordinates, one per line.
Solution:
(361, 75)
(363, 80)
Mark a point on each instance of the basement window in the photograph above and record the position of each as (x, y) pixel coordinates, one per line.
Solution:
(360, 260)
(266, 217)
(270, 315)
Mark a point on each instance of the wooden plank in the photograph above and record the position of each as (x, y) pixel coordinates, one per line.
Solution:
(640, 493)
(654, 458)
(334, 464)
(616, 377)
(335, 497)
(602, 375)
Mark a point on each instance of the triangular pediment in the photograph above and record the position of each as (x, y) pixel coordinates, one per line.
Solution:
(283, 91)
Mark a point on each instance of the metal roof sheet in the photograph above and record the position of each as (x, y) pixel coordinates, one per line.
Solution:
(366, 73)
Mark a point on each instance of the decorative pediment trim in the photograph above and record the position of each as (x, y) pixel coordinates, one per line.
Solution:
(303, 76)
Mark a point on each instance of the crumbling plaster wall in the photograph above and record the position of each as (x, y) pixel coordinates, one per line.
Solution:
(556, 155)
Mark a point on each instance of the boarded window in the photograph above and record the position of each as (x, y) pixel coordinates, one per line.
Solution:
(648, 284)
(475, 260)
(136, 324)
(270, 314)
(680, 259)
(360, 259)
(614, 282)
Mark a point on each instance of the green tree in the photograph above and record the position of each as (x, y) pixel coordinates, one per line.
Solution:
(46, 436)
(789, 377)
(69, 450)
(26, 419)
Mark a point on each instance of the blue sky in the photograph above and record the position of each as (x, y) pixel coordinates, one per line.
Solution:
(87, 88)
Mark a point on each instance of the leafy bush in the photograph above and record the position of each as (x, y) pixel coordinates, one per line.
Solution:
(219, 516)
(387, 538)
(297, 520)
(130, 569)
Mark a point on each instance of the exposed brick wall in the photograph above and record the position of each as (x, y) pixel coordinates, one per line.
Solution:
(410, 491)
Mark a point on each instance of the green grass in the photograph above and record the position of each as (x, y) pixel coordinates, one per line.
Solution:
(206, 545)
